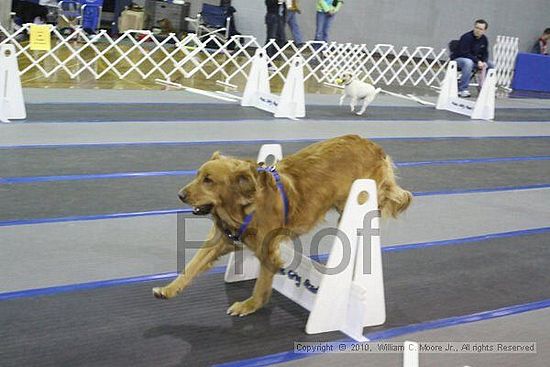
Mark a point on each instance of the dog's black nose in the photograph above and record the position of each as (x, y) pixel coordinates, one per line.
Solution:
(182, 195)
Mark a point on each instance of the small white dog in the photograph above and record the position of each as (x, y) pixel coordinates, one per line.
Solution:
(357, 89)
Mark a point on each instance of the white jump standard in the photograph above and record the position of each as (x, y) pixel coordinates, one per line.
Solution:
(12, 105)
(257, 92)
(347, 293)
(482, 109)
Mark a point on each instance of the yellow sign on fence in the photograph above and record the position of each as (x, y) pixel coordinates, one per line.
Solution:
(40, 37)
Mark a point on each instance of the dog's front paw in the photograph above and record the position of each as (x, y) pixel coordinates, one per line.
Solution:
(163, 293)
(359, 113)
(243, 308)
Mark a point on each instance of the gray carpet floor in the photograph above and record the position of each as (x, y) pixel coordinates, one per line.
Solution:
(47, 161)
(99, 112)
(125, 325)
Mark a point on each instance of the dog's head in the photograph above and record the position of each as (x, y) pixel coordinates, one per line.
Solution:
(219, 181)
(345, 78)
(224, 186)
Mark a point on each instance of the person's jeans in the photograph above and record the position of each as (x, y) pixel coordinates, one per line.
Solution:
(324, 21)
(466, 66)
(294, 27)
(275, 30)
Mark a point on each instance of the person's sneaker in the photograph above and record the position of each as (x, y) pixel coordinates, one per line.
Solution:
(464, 94)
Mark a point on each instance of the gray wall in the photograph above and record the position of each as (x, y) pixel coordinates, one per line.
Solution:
(411, 23)
(5, 9)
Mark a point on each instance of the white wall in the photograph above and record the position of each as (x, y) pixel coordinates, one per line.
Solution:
(410, 23)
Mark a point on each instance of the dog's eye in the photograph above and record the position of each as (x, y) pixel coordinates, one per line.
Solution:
(207, 180)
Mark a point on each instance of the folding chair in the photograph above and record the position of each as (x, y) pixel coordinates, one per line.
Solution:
(212, 20)
(80, 13)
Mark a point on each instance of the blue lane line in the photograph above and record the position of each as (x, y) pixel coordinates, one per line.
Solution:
(19, 222)
(448, 162)
(84, 286)
(221, 269)
(478, 191)
(399, 331)
(102, 176)
(257, 141)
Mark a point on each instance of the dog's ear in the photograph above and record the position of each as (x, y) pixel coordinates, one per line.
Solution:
(246, 181)
(247, 184)
(216, 155)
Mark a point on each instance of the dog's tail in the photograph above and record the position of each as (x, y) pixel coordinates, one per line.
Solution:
(392, 199)
(377, 90)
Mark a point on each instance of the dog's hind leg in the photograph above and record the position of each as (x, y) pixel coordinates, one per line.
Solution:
(366, 103)
(342, 99)
(353, 103)
(217, 245)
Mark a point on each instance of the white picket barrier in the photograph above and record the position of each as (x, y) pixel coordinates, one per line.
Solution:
(481, 109)
(410, 354)
(347, 293)
(12, 105)
(257, 92)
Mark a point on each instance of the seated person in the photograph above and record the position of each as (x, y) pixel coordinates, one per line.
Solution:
(471, 54)
(541, 46)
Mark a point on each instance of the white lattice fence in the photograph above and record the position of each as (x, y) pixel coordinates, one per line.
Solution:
(504, 53)
(142, 54)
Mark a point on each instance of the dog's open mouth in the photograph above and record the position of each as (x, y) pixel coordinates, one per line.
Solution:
(203, 209)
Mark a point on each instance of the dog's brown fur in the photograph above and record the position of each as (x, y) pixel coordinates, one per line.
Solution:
(316, 179)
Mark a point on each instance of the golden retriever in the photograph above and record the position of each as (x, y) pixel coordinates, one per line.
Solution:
(316, 179)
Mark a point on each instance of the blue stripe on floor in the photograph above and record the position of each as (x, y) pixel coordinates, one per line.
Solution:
(19, 222)
(221, 269)
(258, 141)
(8, 223)
(283, 357)
(102, 176)
(478, 191)
(448, 162)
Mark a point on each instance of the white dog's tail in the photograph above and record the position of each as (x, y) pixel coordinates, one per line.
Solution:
(377, 91)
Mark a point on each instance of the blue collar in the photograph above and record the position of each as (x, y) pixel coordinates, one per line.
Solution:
(280, 186)
(238, 236)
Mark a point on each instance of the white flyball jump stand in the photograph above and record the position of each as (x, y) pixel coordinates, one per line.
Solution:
(257, 92)
(482, 109)
(351, 298)
(12, 105)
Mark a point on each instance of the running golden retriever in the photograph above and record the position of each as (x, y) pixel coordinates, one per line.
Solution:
(315, 179)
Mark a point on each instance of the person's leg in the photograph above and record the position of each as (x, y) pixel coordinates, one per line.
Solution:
(281, 34)
(466, 66)
(326, 28)
(271, 31)
(294, 27)
(319, 26)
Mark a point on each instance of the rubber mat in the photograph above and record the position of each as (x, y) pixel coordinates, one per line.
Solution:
(105, 196)
(46, 161)
(220, 112)
(126, 326)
